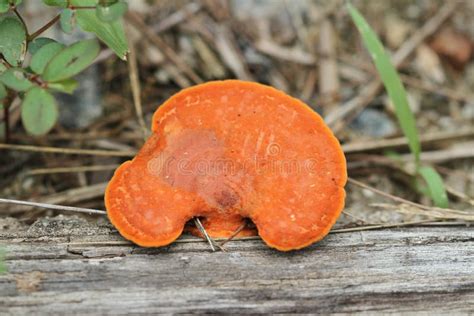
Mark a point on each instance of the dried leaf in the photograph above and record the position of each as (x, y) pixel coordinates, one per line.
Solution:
(452, 45)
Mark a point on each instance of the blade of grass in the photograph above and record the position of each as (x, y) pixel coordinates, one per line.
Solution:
(435, 186)
(390, 79)
(398, 95)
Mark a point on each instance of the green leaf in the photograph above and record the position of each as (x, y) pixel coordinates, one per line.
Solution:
(71, 60)
(37, 43)
(67, 86)
(39, 111)
(112, 34)
(4, 6)
(435, 184)
(13, 40)
(3, 92)
(44, 55)
(390, 79)
(56, 3)
(111, 12)
(14, 78)
(67, 21)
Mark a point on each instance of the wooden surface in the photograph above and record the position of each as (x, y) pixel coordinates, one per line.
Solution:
(66, 265)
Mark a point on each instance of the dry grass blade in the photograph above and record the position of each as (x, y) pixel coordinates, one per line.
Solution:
(203, 231)
(387, 195)
(41, 171)
(163, 46)
(234, 234)
(436, 212)
(54, 207)
(329, 85)
(357, 218)
(177, 17)
(136, 90)
(444, 155)
(362, 98)
(69, 151)
(402, 141)
(292, 54)
(379, 226)
(230, 53)
(213, 66)
(75, 195)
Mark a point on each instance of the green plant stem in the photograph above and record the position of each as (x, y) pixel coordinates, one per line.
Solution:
(36, 79)
(22, 21)
(54, 20)
(78, 7)
(5, 62)
(43, 28)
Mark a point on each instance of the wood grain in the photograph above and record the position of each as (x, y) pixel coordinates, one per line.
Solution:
(66, 265)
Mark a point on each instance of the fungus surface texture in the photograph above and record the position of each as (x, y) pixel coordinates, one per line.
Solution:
(225, 151)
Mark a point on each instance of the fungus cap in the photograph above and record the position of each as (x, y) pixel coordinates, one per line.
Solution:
(226, 151)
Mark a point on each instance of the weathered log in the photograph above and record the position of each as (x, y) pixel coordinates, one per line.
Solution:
(66, 265)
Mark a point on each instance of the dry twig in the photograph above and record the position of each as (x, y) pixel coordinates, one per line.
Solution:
(437, 156)
(136, 90)
(177, 17)
(229, 52)
(54, 207)
(328, 73)
(234, 234)
(381, 144)
(41, 171)
(69, 151)
(209, 239)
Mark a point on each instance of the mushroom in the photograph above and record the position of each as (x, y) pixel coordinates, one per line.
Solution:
(225, 151)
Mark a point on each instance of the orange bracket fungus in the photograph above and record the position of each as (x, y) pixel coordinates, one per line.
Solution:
(225, 151)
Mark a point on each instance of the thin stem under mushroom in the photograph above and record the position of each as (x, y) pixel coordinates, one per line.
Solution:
(209, 239)
(237, 231)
